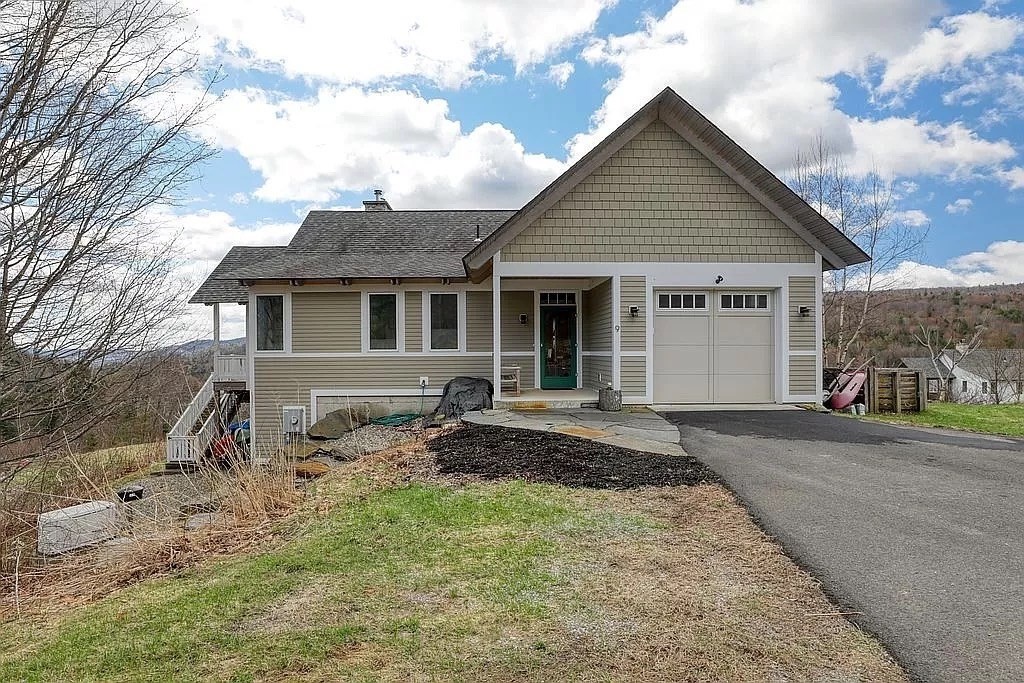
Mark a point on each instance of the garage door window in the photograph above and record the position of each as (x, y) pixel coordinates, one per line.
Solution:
(755, 302)
(682, 301)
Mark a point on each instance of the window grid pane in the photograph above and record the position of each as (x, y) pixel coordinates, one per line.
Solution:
(762, 301)
(383, 322)
(444, 321)
(700, 301)
(677, 301)
(663, 301)
(270, 323)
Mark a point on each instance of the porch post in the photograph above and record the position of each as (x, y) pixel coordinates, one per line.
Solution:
(496, 345)
(216, 333)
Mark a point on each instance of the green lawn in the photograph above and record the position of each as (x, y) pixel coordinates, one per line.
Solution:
(505, 581)
(1006, 419)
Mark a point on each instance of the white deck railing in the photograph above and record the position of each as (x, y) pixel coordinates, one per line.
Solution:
(182, 444)
(231, 368)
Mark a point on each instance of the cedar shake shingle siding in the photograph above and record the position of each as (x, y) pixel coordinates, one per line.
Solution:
(802, 329)
(658, 199)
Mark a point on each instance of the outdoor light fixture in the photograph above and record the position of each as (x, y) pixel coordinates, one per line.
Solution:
(805, 311)
(719, 279)
(523, 319)
(345, 281)
(395, 281)
(295, 283)
(634, 311)
(446, 281)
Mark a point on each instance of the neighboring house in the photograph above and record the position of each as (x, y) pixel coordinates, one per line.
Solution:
(980, 376)
(667, 263)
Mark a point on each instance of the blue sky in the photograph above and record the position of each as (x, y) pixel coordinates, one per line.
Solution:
(460, 103)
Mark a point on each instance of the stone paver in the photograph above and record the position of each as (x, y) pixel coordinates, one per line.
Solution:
(640, 430)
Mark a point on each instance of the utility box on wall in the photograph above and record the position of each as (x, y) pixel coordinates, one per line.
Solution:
(293, 420)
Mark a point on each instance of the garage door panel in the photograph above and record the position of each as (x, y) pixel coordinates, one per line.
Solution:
(715, 357)
(734, 359)
(682, 388)
(688, 330)
(745, 329)
(743, 388)
(670, 359)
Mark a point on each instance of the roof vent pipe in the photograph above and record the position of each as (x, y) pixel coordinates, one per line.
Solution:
(477, 233)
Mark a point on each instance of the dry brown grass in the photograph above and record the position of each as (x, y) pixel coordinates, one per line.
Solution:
(248, 503)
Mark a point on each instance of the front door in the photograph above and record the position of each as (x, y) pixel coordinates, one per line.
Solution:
(558, 347)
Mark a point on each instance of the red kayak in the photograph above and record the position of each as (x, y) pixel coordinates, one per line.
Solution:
(849, 386)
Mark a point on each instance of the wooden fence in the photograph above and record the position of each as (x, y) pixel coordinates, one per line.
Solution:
(896, 390)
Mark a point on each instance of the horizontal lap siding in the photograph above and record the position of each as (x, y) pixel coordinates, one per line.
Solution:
(634, 376)
(658, 199)
(414, 321)
(634, 330)
(286, 380)
(802, 380)
(325, 321)
(597, 371)
(516, 336)
(597, 318)
(479, 321)
(802, 334)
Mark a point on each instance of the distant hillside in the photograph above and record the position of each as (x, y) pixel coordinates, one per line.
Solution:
(228, 346)
(898, 314)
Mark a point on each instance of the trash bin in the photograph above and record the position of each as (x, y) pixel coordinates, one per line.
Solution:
(609, 399)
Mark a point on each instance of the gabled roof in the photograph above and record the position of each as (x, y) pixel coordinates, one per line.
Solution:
(926, 366)
(221, 288)
(332, 245)
(836, 249)
(995, 363)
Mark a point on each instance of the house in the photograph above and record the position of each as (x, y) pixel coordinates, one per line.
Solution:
(666, 263)
(975, 376)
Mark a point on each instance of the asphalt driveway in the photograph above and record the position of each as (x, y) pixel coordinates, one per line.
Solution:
(920, 530)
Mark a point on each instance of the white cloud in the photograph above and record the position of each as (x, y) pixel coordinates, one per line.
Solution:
(915, 218)
(956, 40)
(560, 73)
(446, 42)
(239, 198)
(348, 139)
(774, 94)
(1000, 263)
(960, 206)
(1012, 177)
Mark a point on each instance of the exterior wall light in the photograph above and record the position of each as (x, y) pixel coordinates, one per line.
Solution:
(719, 280)
(805, 311)
(634, 311)
(523, 319)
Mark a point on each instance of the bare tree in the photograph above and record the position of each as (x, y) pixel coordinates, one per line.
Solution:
(97, 107)
(1004, 371)
(939, 346)
(865, 209)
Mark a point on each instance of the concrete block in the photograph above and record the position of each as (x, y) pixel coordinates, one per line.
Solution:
(67, 529)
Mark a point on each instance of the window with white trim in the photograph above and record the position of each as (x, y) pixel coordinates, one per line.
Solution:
(270, 323)
(557, 298)
(383, 322)
(444, 322)
(754, 302)
(682, 301)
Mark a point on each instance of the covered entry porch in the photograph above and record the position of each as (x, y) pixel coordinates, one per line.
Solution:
(553, 340)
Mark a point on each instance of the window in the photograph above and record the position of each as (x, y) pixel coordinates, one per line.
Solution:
(557, 299)
(383, 322)
(270, 323)
(963, 386)
(685, 301)
(756, 302)
(984, 387)
(444, 322)
(995, 387)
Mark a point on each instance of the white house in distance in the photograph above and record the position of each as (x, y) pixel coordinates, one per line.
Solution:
(978, 376)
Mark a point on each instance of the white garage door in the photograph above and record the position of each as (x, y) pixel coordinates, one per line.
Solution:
(713, 347)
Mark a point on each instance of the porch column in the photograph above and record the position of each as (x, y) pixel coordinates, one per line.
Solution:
(216, 333)
(496, 346)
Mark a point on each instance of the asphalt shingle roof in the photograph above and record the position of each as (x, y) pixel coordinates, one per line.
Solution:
(925, 365)
(221, 288)
(377, 244)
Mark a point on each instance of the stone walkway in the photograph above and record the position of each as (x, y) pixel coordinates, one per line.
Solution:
(641, 430)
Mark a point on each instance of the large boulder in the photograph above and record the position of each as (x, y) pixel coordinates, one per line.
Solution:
(337, 423)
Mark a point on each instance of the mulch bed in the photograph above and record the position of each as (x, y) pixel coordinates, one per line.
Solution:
(553, 458)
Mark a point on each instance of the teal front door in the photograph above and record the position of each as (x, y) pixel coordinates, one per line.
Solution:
(558, 347)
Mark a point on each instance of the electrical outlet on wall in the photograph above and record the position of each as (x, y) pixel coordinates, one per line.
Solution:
(424, 381)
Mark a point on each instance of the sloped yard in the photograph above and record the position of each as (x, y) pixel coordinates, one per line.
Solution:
(395, 571)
